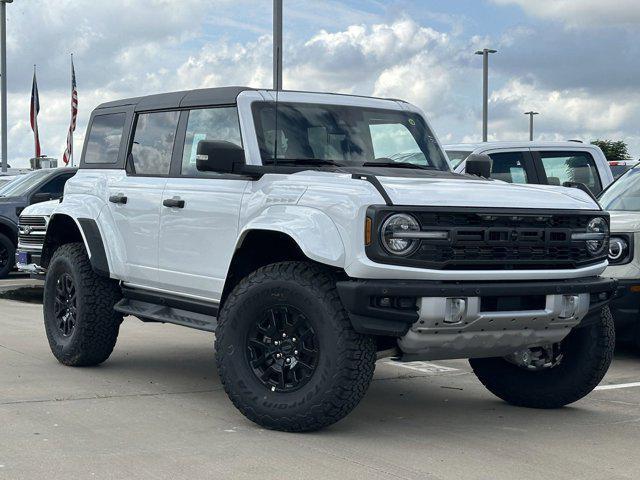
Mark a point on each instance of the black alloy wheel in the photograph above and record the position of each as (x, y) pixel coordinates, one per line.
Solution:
(65, 305)
(282, 349)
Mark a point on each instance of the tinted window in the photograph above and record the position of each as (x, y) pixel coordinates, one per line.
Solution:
(104, 139)
(55, 186)
(208, 124)
(577, 167)
(344, 135)
(624, 194)
(153, 143)
(509, 167)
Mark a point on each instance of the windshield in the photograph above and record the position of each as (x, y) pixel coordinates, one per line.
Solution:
(23, 184)
(456, 157)
(624, 194)
(344, 136)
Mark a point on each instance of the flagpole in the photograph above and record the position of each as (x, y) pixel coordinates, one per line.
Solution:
(3, 80)
(72, 149)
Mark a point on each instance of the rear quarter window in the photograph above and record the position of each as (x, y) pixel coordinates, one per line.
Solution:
(105, 137)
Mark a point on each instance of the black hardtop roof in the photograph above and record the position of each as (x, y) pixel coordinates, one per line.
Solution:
(187, 98)
(192, 98)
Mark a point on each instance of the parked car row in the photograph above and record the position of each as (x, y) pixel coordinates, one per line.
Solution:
(29, 189)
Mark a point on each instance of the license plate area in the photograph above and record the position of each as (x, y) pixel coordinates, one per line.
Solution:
(494, 304)
(23, 258)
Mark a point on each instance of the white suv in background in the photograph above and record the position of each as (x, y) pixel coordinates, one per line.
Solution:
(546, 163)
(315, 233)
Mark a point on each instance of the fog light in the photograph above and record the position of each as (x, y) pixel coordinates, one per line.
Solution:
(569, 306)
(455, 310)
(384, 302)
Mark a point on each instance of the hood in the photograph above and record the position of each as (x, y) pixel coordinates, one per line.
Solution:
(625, 222)
(10, 201)
(482, 193)
(41, 209)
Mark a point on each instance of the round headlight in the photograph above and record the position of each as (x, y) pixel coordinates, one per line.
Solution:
(393, 234)
(618, 248)
(597, 225)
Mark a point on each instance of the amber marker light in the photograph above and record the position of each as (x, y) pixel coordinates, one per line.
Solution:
(367, 231)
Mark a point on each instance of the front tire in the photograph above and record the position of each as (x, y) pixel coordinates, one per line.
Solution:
(82, 326)
(7, 255)
(286, 352)
(586, 355)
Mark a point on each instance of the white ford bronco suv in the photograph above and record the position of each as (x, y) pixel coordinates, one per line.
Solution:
(281, 222)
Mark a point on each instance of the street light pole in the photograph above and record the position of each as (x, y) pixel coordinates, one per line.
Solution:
(277, 44)
(485, 90)
(3, 79)
(531, 114)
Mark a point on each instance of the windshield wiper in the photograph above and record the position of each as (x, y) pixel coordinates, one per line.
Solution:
(303, 161)
(397, 165)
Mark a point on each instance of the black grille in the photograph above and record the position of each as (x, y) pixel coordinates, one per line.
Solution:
(494, 240)
(33, 221)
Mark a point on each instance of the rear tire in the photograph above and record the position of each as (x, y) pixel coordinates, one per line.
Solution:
(277, 380)
(82, 326)
(7, 256)
(587, 354)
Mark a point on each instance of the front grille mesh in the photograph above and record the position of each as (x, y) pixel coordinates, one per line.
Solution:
(492, 239)
(31, 232)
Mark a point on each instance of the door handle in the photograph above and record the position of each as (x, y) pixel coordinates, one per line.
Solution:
(173, 203)
(118, 199)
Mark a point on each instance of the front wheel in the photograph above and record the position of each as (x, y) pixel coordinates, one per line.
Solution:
(286, 352)
(81, 324)
(7, 255)
(556, 375)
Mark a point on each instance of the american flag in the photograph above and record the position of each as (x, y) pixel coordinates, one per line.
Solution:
(68, 153)
(35, 109)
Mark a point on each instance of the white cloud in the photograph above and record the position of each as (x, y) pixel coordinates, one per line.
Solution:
(580, 13)
(156, 47)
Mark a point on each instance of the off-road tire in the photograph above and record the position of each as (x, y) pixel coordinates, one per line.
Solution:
(7, 246)
(346, 359)
(97, 323)
(587, 354)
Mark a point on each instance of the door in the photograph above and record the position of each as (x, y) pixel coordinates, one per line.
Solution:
(513, 166)
(198, 231)
(135, 195)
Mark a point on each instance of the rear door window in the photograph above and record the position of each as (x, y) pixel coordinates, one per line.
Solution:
(511, 167)
(578, 167)
(103, 145)
(152, 146)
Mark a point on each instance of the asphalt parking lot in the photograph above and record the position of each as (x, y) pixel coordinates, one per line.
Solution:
(157, 410)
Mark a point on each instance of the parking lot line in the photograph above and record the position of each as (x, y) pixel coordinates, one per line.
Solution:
(620, 385)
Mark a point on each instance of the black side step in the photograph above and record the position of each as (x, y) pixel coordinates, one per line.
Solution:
(154, 307)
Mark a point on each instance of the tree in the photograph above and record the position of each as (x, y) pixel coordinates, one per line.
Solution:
(613, 150)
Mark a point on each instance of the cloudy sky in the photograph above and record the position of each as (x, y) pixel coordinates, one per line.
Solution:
(575, 61)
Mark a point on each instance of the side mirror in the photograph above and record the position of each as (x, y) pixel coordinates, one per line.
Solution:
(41, 197)
(479, 165)
(219, 156)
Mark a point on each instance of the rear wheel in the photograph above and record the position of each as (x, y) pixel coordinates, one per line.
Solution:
(82, 326)
(7, 255)
(287, 354)
(556, 375)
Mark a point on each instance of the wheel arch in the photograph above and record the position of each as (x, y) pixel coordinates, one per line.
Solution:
(259, 247)
(9, 230)
(64, 229)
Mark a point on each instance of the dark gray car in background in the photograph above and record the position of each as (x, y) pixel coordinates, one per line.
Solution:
(35, 187)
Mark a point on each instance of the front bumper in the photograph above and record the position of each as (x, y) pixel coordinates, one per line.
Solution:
(498, 318)
(29, 262)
